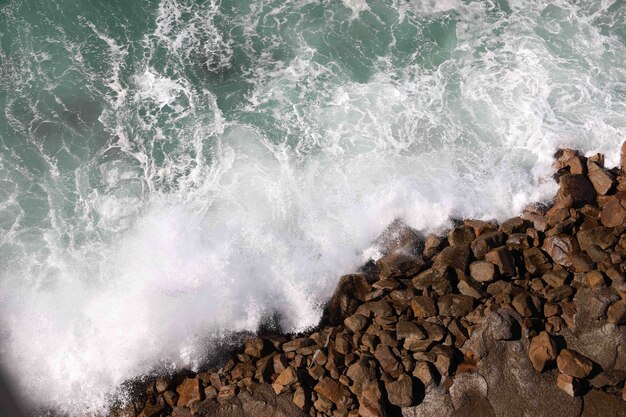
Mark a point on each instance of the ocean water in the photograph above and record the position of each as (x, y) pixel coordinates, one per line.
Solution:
(174, 171)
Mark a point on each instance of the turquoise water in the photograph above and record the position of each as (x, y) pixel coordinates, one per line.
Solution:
(173, 171)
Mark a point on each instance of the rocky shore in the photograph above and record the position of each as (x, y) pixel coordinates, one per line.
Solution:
(522, 318)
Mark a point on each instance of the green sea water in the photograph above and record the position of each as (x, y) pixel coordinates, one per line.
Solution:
(173, 171)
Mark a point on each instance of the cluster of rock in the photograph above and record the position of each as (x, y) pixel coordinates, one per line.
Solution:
(525, 317)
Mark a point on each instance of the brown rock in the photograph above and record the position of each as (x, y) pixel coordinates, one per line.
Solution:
(601, 180)
(562, 249)
(526, 305)
(399, 237)
(456, 257)
(256, 347)
(569, 384)
(453, 305)
(400, 263)
(287, 377)
(388, 362)
(359, 373)
(535, 261)
(438, 278)
(344, 302)
(299, 398)
(355, 323)
(461, 236)
(296, 344)
(485, 242)
(370, 401)
(575, 191)
(410, 333)
(616, 314)
(574, 364)
(152, 410)
(226, 392)
(501, 257)
(423, 307)
(481, 226)
(613, 214)
(542, 351)
(483, 271)
(334, 391)
(518, 241)
(595, 279)
(189, 392)
(601, 237)
(424, 372)
(400, 392)
(432, 245)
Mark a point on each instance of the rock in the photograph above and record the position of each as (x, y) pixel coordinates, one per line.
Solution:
(485, 242)
(616, 313)
(456, 257)
(569, 384)
(400, 237)
(189, 392)
(562, 249)
(601, 237)
(535, 261)
(423, 307)
(256, 347)
(161, 384)
(227, 392)
(334, 391)
(299, 398)
(359, 373)
(480, 226)
(515, 225)
(595, 279)
(601, 180)
(287, 377)
(388, 362)
(344, 302)
(425, 373)
(432, 245)
(453, 305)
(355, 323)
(409, 330)
(461, 236)
(501, 257)
(518, 241)
(400, 263)
(438, 278)
(574, 364)
(526, 305)
(296, 344)
(152, 410)
(542, 351)
(503, 326)
(609, 378)
(400, 392)
(613, 213)
(370, 401)
(575, 191)
(598, 403)
(483, 271)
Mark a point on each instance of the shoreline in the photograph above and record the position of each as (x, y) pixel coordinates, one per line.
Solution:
(525, 316)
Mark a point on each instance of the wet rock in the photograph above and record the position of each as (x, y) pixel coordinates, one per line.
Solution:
(355, 323)
(616, 313)
(483, 271)
(501, 257)
(601, 237)
(287, 377)
(562, 249)
(535, 261)
(433, 245)
(453, 305)
(542, 351)
(438, 278)
(518, 241)
(601, 180)
(480, 226)
(350, 291)
(189, 392)
(400, 392)
(461, 236)
(485, 242)
(152, 410)
(296, 344)
(456, 257)
(400, 263)
(400, 237)
(575, 191)
(574, 364)
(423, 307)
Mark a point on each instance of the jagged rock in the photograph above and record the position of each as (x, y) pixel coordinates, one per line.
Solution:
(501, 257)
(189, 392)
(334, 391)
(409, 332)
(568, 384)
(483, 271)
(432, 245)
(480, 226)
(616, 313)
(359, 373)
(598, 403)
(518, 241)
(370, 400)
(574, 364)
(562, 249)
(456, 257)
(461, 236)
(503, 326)
(400, 263)
(609, 378)
(387, 360)
(575, 191)
(454, 305)
(485, 242)
(601, 237)
(296, 344)
(400, 391)
(542, 351)
(344, 302)
(438, 278)
(424, 372)
(400, 237)
(526, 305)
(355, 323)
(613, 213)
(423, 307)
(601, 180)
(152, 410)
(535, 261)
(515, 225)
